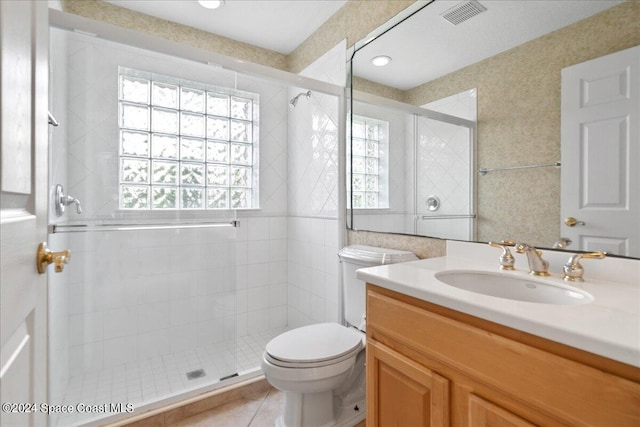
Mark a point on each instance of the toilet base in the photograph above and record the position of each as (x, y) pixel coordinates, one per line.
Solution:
(347, 416)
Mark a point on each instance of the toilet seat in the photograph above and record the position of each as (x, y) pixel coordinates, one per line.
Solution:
(314, 346)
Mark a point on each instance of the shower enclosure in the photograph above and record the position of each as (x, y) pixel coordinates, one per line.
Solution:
(180, 269)
(412, 167)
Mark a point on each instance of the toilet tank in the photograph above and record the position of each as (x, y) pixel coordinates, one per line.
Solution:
(353, 258)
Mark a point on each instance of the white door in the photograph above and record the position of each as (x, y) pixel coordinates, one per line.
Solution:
(23, 209)
(601, 153)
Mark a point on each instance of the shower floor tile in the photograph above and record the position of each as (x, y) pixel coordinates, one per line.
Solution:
(161, 377)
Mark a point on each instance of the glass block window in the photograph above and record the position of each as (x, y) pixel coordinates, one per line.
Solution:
(368, 166)
(186, 145)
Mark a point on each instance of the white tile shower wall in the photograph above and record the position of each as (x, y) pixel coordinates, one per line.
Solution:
(313, 291)
(444, 171)
(94, 135)
(330, 67)
(313, 141)
(313, 271)
(313, 156)
(261, 274)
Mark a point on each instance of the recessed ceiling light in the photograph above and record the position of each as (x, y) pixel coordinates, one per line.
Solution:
(211, 4)
(381, 60)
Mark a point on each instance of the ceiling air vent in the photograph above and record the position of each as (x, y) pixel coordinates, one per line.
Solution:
(463, 11)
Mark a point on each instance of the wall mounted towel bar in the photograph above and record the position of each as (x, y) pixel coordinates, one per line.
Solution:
(83, 228)
(484, 171)
(448, 216)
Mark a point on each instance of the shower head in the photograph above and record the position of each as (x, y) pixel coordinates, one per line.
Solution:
(294, 100)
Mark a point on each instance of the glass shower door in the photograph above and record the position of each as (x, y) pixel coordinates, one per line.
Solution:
(151, 313)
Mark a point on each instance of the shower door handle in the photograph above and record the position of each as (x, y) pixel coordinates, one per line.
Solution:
(46, 256)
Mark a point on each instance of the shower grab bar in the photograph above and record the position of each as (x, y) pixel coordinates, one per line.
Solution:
(83, 228)
(484, 171)
(449, 216)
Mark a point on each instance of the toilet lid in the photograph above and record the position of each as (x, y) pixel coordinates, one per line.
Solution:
(314, 343)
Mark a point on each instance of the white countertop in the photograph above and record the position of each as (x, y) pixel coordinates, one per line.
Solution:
(608, 326)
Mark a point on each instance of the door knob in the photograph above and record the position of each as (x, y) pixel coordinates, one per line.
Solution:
(572, 222)
(46, 256)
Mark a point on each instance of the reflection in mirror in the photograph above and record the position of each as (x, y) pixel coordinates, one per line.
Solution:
(420, 179)
(520, 64)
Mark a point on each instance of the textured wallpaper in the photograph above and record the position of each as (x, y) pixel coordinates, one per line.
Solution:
(423, 247)
(368, 86)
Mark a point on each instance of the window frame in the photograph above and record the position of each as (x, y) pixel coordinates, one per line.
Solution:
(242, 175)
(382, 157)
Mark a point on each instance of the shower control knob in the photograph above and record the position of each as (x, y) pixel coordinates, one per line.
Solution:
(61, 201)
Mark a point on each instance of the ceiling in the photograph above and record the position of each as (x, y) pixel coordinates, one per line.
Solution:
(278, 25)
(426, 46)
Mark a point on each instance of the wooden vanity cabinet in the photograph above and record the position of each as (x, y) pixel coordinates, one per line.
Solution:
(431, 366)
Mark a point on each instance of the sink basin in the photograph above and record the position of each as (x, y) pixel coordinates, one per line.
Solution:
(504, 285)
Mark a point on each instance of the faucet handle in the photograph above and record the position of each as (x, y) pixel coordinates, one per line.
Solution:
(573, 270)
(507, 261)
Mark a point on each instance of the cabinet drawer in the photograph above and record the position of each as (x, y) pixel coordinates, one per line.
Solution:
(567, 390)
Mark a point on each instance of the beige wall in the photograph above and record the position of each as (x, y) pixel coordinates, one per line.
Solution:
(423, 247)
(519, 120)
(353, 21)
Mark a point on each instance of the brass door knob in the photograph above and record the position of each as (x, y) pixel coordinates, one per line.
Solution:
(46, 256)
(571, 221)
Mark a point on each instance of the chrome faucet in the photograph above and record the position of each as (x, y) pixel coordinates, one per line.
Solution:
(537, 265)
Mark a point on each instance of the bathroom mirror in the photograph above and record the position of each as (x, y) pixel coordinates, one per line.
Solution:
(496, 66)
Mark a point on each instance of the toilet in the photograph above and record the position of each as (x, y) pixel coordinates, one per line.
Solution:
(321, 368)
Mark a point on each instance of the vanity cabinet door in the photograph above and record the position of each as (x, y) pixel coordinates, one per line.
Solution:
(401, 392)
(483, 413)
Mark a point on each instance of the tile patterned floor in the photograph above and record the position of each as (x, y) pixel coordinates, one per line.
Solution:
(162, 377)
(257, 411)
